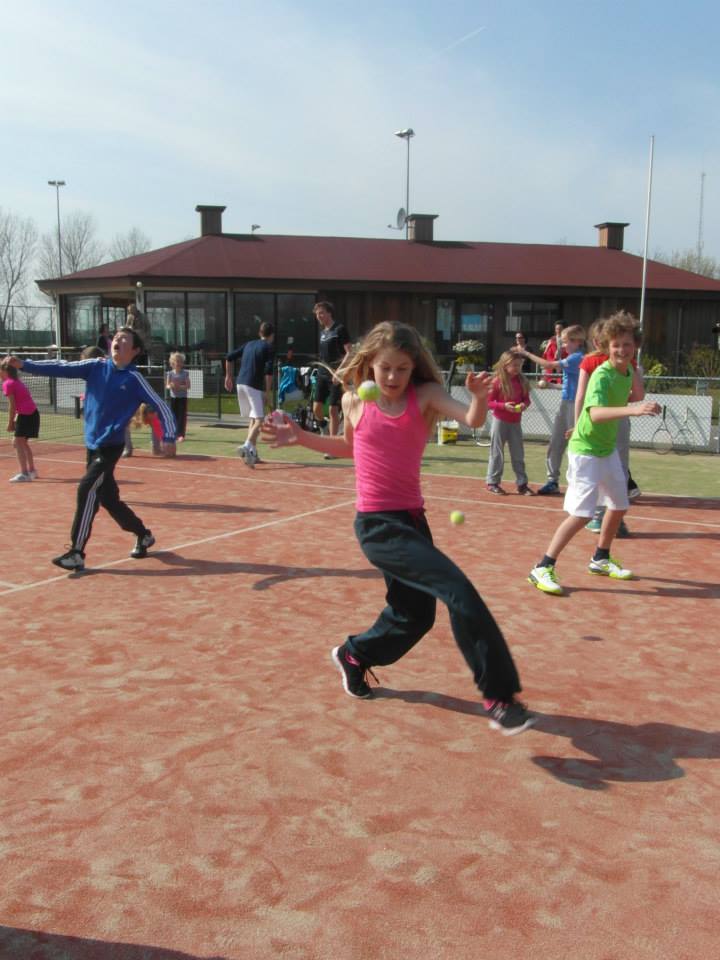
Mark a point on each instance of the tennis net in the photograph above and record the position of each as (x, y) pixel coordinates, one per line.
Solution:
(60, 406)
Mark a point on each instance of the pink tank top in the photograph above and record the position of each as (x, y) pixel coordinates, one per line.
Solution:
(388, 452)
(24, 402)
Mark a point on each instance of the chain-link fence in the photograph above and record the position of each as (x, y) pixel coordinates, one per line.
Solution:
(688, 408)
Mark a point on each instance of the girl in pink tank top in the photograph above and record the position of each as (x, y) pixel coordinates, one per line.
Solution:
(386, 437)
(23, 420)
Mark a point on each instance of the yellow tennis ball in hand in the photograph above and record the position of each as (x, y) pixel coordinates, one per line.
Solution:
(457, 517)
(369, 391)
(518, 407)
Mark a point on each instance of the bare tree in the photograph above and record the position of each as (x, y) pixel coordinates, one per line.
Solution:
(690, 260)
(129, 244)
(80, 247)
(18, 237)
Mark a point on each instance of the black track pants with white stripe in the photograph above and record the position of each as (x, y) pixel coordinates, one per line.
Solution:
(98, 488)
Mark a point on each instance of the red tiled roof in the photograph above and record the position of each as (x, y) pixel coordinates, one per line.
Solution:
(327, 260)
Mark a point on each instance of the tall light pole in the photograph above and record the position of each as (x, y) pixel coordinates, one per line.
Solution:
(407, 134)
(57, 184)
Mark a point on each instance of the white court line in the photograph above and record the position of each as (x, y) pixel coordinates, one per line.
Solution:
(243, 474)
(4, 583)
(264, 477)
(183, 546)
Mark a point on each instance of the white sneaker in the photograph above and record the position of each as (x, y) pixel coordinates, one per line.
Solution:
(545, 579)
(609, 568)
(21, 478)
(33, 474)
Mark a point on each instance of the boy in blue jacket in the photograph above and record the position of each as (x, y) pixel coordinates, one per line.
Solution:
(115, 389)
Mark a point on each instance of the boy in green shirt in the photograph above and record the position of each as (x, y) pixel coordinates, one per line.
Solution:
(595, 474)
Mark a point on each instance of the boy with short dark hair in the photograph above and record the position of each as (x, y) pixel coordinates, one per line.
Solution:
(595, 472)
(114, 390)
(253, 383)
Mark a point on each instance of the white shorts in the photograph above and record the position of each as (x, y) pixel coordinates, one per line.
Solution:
(250, 401)
(595, 482)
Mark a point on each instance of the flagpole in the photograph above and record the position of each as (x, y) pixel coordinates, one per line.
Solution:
(647, 234)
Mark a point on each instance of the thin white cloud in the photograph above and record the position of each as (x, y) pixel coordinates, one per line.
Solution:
(456, 43)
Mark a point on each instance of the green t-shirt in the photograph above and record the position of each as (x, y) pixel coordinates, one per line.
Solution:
(607, 388)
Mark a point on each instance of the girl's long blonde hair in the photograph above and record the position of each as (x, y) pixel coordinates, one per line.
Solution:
(355, 368)
(594, 332)
(503, 377)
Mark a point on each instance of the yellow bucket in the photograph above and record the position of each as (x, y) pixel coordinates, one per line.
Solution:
(448, 431)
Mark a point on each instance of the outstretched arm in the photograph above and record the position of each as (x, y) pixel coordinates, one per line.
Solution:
(541, 361)
(432, 395)
(645, 409)
(282, 431)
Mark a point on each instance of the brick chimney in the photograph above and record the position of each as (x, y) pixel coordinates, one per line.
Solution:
(420, 227)
(210, 220)
(611, 235)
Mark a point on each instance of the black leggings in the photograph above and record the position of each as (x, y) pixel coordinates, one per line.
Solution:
(99, 488)
(179, 405)
(399, 544)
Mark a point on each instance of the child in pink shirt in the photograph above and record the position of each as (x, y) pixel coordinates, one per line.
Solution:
(508, 398)
(386, 437)
(23, 421)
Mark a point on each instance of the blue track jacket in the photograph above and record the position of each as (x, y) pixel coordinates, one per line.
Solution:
(111, 397)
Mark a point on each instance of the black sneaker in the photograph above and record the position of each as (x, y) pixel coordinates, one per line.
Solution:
(510, 718)
(549, 488)
(353, 676)
(72, 560)
(633, 490)
(142, 545)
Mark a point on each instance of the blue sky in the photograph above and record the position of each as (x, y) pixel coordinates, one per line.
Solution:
(532, 119)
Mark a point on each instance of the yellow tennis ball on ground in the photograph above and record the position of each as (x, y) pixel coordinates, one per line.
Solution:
(457, 517)
(369, 391)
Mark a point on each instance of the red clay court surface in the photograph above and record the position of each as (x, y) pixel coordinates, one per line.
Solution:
(183, 775)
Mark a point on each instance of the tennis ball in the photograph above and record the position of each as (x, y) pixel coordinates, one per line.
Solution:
(369, 391)
(457, 517)
(542, 383)
(518, 407)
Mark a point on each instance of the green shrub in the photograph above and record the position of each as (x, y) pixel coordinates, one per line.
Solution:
(702, 361)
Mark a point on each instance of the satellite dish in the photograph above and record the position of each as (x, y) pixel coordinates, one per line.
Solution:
(401, 218)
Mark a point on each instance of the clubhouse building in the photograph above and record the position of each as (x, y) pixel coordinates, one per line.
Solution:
(210, 293)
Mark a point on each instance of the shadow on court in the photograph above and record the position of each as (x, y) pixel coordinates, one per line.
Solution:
(688, 589)
(673, 535)
(201, 507)
(623, 753)
(18, 944)
(178, 566)
(683, 503)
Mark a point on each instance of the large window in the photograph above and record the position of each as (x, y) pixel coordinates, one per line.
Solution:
(444, 326)
(290, 313)
(250, 311)
(464, 320)
(475, 320)
(536, 316)
(166, 314)
(296, 320)
(194, 320)
(207, 313)
(83, 320)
